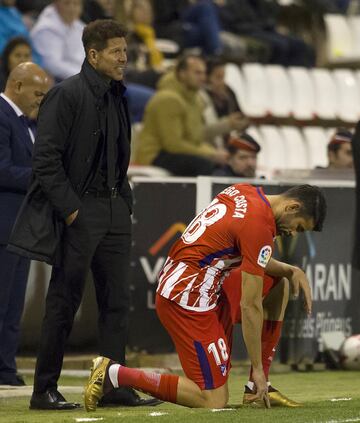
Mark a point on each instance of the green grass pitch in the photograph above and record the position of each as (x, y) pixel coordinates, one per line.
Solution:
(314, 389)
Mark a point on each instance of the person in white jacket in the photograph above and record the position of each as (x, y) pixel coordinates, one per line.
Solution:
(57, 37)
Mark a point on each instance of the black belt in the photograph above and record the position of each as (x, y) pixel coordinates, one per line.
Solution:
(109, 193)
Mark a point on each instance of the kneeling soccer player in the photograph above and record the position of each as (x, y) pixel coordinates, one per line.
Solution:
(220, 271)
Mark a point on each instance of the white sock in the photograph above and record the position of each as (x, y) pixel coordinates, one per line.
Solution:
(113, 375)
(250, 385)
(268, 383)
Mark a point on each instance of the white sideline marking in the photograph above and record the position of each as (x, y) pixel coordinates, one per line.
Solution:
(216, 410)
(356, 419)
(340, 399)
(157, 413)
(88, 419)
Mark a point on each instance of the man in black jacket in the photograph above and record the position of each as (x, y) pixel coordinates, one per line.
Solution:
(77, 213)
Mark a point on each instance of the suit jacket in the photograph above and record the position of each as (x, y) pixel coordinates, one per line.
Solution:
(15, 166)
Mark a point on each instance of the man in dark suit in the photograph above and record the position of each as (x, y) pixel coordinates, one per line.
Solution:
(25, 88)
(77, 212)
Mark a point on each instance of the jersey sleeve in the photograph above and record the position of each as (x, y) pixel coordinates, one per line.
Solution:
(255, 242)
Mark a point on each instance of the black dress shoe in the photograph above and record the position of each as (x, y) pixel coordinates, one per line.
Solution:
(51, 400)
(15, 380)
(124, 396)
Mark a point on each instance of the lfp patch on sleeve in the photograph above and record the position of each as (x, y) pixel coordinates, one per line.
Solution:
(264, 256)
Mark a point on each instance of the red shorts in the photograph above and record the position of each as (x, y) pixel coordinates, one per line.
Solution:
(203, 340)
(231, 290)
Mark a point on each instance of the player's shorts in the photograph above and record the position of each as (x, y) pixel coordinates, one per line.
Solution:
(231, 290)
(203, 340)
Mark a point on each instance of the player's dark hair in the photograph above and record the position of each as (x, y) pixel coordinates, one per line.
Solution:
(313, 202)
(96, 33)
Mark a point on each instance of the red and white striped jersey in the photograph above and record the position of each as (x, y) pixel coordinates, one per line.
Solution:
(237, 228)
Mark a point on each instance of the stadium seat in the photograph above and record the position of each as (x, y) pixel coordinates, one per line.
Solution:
(234, 80)
(316, 141)
(339, 41)
(295, 148)
(280, 101)
(273, 146)
(261, 158)
(256, 98)
(354, 25)
(325, 93)
(303, 98)
(347, 95)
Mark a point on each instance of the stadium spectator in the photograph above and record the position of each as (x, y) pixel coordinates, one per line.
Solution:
(57, 37)
(12, 25)
(230, 240)
(98, 9)
(340, 150)
(25, 88)
(145, 61)
(256, 19)
(174, 135)
(191, 23)
(16, 51)
(243, 150)
(82, 203)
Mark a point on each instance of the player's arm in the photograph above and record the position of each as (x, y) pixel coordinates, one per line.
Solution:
(251, 323)
(296, 277)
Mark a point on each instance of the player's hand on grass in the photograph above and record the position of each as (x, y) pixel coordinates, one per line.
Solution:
(299, 281)
(261, 386)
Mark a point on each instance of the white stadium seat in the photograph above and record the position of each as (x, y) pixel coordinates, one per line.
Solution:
(274, 148)
(295, 148)
(316, 140)
(325, 93)
(354, 25)
(261, 157)
(303, 98)
(280, 101)
(234, 80)
(347, 95)
(338, 38)
(256, 99)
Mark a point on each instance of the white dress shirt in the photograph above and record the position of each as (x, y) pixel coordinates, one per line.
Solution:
(58, 43)
(19, 113)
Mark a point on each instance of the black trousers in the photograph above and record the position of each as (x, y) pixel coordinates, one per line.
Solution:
(13, 281)
(99, 239)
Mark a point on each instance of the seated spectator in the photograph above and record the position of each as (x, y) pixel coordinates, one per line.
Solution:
(340, 150)
(243, 150)
(174, 135)
(145, 62)
(12, 25)
(57, 37)
(98, 9)
(221, 105)
(256, 19)
(16, 51)
(191, 23)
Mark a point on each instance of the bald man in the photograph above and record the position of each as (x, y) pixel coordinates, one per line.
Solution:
(19, 105)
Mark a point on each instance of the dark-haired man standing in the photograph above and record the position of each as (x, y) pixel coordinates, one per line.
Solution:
(77, 213)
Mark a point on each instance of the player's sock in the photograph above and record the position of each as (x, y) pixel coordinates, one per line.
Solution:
(269, 340)
(161, 386)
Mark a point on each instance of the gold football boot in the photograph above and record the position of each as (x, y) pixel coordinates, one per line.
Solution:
(277, 399)
(94, 389)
